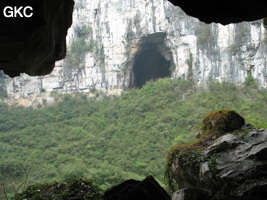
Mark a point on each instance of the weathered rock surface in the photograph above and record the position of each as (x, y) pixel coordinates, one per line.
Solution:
(148, 189)
(35, 43)
(32, 45)
(125, 36)
(234, 165)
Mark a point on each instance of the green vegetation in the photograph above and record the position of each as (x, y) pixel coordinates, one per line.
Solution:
(115, 138)
(80, 47)
(221, 121)
(74, 189)
(172, 66)
(205, 37)
(189, 62)
(136, 21)
(242, 33)
(250, 82)
(3, 92)
(265, 36)
(42, 90)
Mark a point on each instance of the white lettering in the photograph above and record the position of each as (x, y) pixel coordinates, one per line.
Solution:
(17, 11)
(8, 13)
(24, 11)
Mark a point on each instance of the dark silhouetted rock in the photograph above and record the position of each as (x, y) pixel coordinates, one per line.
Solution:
(32, 45)
(224, 12)
(190, 194)
(148, 189)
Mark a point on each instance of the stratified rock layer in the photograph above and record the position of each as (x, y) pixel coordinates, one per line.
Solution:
(234, 165)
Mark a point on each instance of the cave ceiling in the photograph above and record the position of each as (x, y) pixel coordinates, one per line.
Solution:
(33, 37)
(33, 45)
(223, 11)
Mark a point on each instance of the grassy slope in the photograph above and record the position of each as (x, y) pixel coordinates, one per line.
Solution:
(115, 138)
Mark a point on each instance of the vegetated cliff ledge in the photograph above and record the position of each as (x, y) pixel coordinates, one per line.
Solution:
(111, 41)
(227, 162)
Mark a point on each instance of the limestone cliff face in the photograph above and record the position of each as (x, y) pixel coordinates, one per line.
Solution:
(113, 44)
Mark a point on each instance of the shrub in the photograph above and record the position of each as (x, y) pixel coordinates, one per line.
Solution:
(3, 93)
(74, 189)
(205, 37)
(80, 47)
(42, 90)
(250, 81)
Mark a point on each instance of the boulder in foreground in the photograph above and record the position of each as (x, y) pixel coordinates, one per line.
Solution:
(148, 189)
(232, 165)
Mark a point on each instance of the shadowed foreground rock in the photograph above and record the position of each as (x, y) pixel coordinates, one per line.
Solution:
(32, 45)
(190, 194)
(234, 166)
(147, 189)
(224, 12)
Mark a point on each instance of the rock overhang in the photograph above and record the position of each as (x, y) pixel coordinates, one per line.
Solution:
(20, 55)
(224, 12)
(31, 45)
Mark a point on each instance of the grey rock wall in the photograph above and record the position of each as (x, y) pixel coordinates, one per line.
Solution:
(107, 35)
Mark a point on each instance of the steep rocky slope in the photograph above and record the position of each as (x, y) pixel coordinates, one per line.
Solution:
(115, 45)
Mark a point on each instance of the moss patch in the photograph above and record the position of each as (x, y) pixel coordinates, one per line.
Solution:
(187, 158)
(221, 121)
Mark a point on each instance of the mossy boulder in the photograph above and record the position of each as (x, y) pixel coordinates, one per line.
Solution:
(72, 189)
(189, 156)
(221, 121)
(225, 162)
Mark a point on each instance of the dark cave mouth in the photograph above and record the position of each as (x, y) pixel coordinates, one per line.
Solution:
(149, 65)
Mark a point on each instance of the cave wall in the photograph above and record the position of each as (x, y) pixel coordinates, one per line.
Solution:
(149, 65)
(151, 61)
(113, 36)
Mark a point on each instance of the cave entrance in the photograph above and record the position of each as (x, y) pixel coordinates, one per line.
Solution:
(149, 63)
